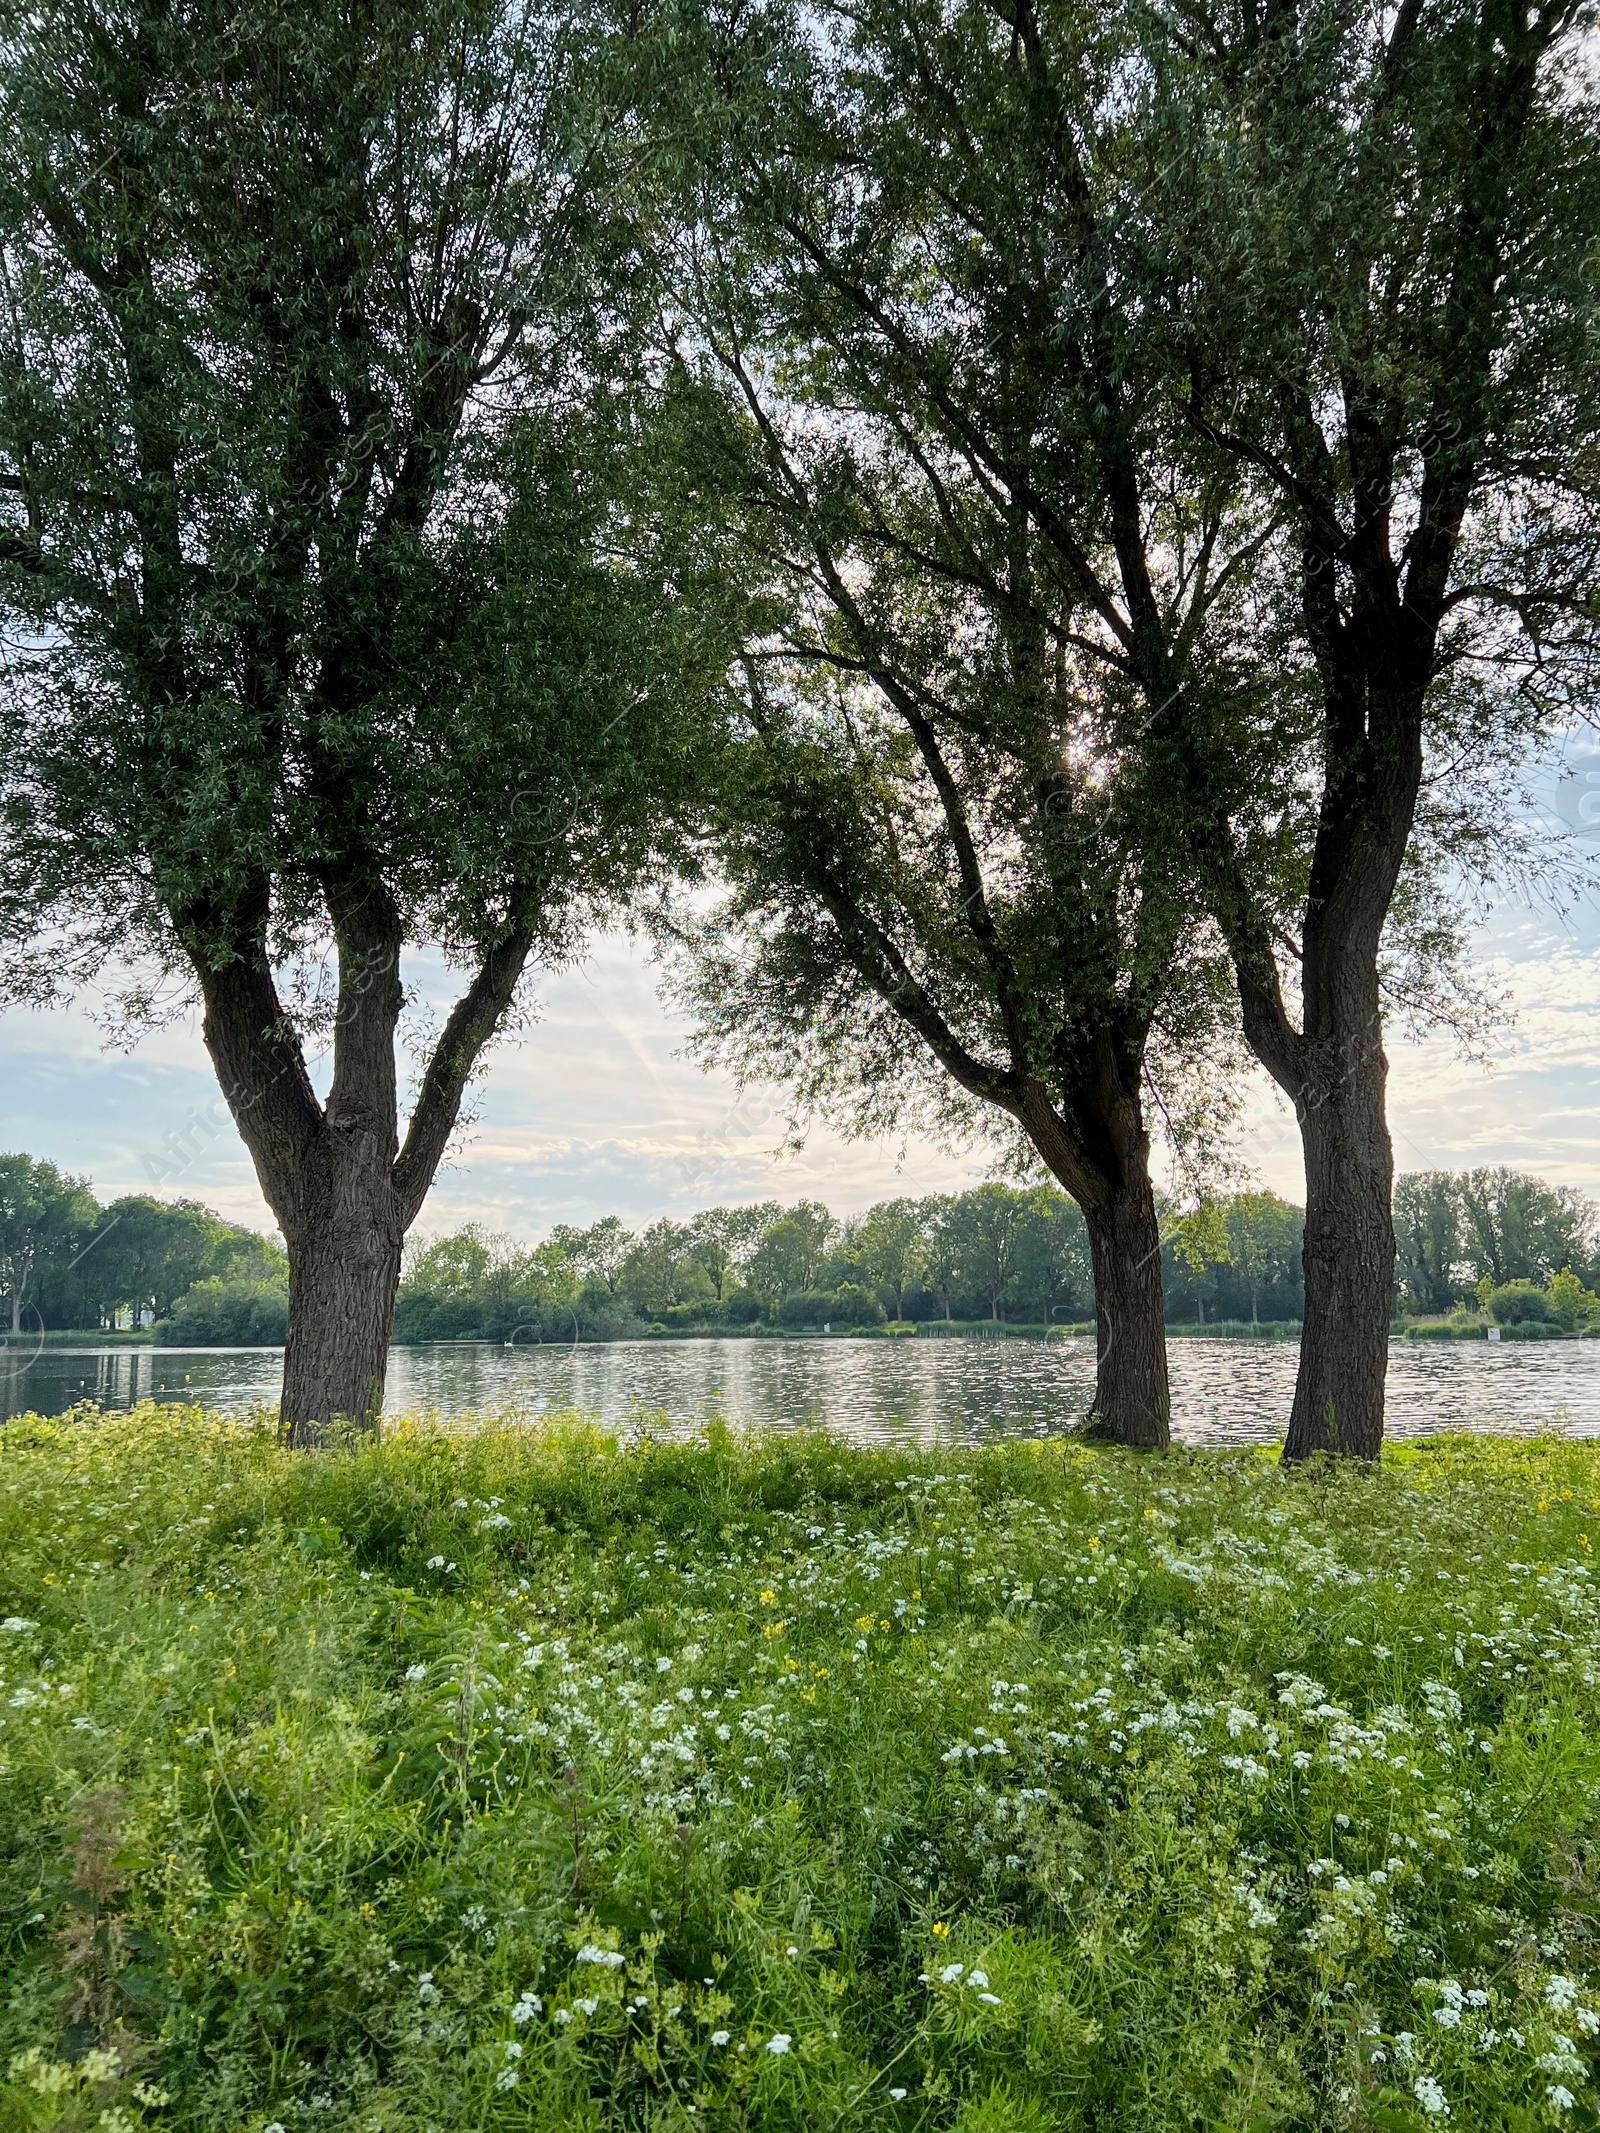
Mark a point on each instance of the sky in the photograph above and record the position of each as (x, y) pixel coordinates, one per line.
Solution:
(596, 1110)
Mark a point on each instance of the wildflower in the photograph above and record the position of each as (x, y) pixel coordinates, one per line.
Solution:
(427, 1990)
(1559, 2098)
(990, 1999)
(978, 1978)
(526, 2008)
(603, 1958)
(897, 2095)
(275, 2127)
(719, 2036)
(940, 1930)
(663, 1665)
(587, 2007)
(779, 2044)
(951, 1973)
(513, 2049)
(435, 1562)
(1431, 2097)
(1561, 1993)
(507, 2078)
(562, 2014)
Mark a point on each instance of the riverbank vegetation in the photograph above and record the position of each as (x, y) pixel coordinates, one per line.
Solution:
(1475, 1248)
(504, 1778)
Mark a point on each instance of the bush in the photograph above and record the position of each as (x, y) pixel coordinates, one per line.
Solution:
(848, 1305)
(1515, 1303)
(1571, 1304)
(427, 1783)
(229, 1314)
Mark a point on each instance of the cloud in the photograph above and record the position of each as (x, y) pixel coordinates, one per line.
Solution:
(594, 1110)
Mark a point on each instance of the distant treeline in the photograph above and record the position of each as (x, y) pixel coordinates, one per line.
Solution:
(995, 1253)
(1006, 1254)
(67, 1261)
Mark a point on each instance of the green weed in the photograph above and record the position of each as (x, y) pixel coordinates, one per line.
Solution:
(500, 1777)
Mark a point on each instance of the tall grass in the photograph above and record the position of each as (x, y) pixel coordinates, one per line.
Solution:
(510, 1778)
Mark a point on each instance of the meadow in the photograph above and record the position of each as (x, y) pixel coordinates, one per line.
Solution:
(489, 1777)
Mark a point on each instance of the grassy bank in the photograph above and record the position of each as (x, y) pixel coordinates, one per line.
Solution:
(502, 1781)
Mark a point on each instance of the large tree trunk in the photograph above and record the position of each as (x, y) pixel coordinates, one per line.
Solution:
(1100, 1151)
(1132, 1399)
(1348, 1257)
(342, 1188)
(344, 1271)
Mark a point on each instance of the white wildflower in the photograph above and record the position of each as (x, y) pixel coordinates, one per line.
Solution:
(1431, 2097)
(779, 2044)
(719, 2036)
(604, 1958)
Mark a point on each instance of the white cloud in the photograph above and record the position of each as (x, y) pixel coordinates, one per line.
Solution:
(593, 1110)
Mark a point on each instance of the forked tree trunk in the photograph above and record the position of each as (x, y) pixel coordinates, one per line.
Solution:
(1348, 1258)
(1132, 1397)
(342, 1188)
(344, 1272)
(1105, 1164)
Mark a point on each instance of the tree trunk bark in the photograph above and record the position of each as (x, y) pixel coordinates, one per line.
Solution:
(342, 1285)
(1132, 1398)
(1348, 1259)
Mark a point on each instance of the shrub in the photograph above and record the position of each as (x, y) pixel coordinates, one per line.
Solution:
(1571, 1304)
(1515, 1303)
(848, 1305)
(229, 1314)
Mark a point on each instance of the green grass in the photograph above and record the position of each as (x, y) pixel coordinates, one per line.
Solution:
(492, 1779)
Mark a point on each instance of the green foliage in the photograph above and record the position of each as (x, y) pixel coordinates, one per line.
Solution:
(1464, 1234)
(1235, 1257)
(1512, 1303)
(1571, 1304)
(67, 1261)
(45, 1221)
(507, 1778)
(236, 1313)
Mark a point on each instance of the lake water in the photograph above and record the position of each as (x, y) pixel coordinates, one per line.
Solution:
(1224, 1391)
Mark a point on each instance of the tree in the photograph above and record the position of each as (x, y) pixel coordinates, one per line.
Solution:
(1264, 1235)
(597, 1253)
(887, 1243)
(787, 1260)
(986, 1228)
(337, 571)
(145, 1253)
(1054, 1265)
(46, 1219)
(1376, 233)
(1428, 1242)
(1518, 1228)
(953, 884)
(937, 1258)
(662, 1270)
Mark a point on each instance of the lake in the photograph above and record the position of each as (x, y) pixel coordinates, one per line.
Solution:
(1224, 1391)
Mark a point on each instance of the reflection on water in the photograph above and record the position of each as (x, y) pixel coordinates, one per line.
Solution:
(1223, 1390)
